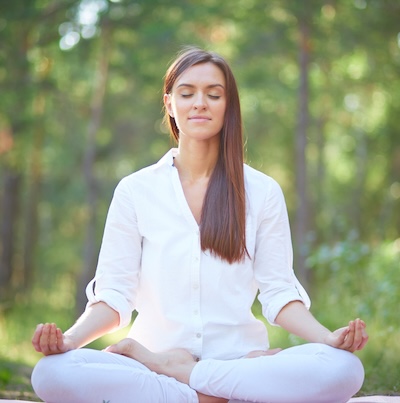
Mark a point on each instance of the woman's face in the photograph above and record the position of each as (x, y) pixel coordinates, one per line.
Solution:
(197, 102)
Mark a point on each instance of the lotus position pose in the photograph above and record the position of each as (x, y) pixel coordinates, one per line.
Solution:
(188, 244)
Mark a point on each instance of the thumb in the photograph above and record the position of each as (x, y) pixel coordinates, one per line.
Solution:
(111, 349)
(273, 351)
(114, 348)
(123, 347)
(343, 332)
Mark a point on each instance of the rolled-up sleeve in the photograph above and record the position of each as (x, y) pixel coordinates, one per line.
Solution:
(118, 270)
(273, 260)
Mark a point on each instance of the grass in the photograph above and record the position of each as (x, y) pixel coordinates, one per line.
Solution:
(15, 381)
(17, 324)
(372, 296)
(380, 357)
(18, 357)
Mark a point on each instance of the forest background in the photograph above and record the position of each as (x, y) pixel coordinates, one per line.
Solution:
(80, 107)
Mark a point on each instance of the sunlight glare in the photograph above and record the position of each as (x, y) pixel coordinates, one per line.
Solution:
(89, 10)
(351, 102)
(69, 40)
(360, 4)
(396, 245)
(395, 190)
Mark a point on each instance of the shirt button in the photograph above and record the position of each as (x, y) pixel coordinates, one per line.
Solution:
(195, 286)
(196, 312)
(198, 335)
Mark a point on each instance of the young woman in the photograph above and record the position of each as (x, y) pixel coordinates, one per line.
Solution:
(188, 243)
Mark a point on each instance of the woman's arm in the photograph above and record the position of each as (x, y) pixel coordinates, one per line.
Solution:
(296, 319)
(96, 321)
(112, 293)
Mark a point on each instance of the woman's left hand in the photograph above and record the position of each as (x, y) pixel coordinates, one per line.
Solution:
(351, 338)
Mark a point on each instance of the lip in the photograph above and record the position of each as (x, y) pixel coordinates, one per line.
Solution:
(199, 118)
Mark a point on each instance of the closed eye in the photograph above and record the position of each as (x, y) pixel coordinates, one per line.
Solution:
(214, 97)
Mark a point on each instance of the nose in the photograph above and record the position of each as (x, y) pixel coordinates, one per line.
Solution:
(199, 101)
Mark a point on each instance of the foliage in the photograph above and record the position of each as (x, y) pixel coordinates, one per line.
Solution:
(369, 276)
(354, 280)
(50, 76)
(357, 280)
(15, 381)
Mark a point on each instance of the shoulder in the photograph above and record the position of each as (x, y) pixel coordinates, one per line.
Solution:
(264, 195)
(149, 175)
(260, 183)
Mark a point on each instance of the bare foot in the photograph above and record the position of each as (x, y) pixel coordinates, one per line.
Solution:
(177, 363)
(259, 353)
(210, 399)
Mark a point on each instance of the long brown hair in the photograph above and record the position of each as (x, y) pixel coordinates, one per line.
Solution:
(223, 217)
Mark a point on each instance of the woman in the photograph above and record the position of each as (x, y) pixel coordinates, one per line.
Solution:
(188, 243)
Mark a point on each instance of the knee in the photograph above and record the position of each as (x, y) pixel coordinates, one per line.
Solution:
(49, 377)
(346, 373)
(44, 376)
(353, 371)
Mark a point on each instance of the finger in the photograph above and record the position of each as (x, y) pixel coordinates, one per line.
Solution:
(365, 338)
(358, 335)
(348, 342)
(361, 337)
(36, 337)
(44, 339)
(53, 345)
(341, 335)
(60, 339)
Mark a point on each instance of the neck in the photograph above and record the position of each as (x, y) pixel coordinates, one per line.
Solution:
(196, 161)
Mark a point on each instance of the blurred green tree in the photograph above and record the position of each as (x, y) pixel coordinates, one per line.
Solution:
(81, 108)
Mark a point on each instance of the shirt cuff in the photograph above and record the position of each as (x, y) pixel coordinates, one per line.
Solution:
(113, 299)
(272, 310)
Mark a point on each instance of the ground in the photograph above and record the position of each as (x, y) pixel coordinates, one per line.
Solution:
(15, 382)
(15, 385)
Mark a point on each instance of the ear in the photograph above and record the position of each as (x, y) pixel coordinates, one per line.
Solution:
(167, 104)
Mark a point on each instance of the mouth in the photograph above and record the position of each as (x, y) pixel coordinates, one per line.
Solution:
(199, 118)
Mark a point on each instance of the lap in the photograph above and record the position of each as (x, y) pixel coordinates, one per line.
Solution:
(88, 356)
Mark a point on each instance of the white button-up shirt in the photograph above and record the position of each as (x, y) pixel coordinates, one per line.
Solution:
(151, 261)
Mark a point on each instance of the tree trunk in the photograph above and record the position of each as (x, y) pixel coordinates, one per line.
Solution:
(320, 178)
(90, 250)
(302, 212)
(361, 160)
(10, 204)
(31, 215)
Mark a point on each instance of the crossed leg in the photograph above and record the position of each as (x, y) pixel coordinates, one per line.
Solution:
(308, 373)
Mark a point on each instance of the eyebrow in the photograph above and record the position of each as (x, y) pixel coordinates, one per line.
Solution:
(193, 86)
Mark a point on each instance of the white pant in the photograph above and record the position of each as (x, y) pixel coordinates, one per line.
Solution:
(311, 373)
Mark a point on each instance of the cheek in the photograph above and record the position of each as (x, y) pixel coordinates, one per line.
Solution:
(179, 109)
(176, 113)
(173, 110)
(222, 111)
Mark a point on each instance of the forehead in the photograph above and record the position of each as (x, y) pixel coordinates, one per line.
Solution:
(199, 75)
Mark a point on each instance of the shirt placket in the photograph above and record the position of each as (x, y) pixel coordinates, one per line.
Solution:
(196, 336)
(195, 297)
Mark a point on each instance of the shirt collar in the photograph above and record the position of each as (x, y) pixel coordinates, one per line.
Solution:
(167, 159)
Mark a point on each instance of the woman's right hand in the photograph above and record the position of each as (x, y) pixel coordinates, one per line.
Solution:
(48, 339)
